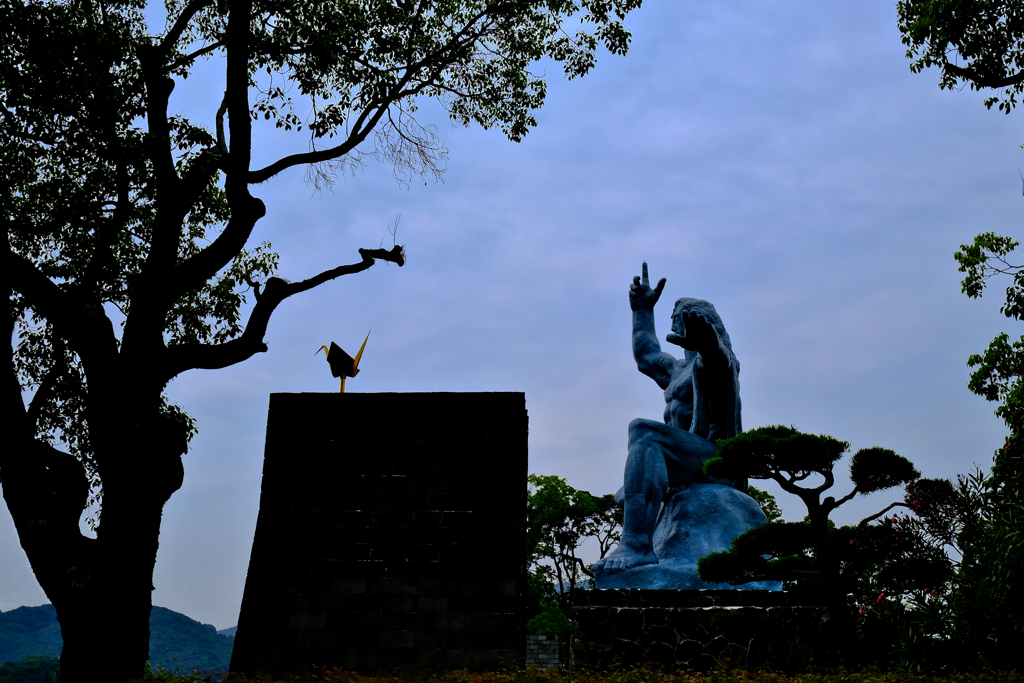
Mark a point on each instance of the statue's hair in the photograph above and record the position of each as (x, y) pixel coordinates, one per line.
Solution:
(732, 419)
(706, 310)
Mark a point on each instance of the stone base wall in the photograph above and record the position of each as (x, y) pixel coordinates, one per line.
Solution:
(690, 630)
(391, 535)
(542, 652)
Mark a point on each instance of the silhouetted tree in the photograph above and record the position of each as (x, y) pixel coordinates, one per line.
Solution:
(128, 248)
(560, 519)
(981, 43)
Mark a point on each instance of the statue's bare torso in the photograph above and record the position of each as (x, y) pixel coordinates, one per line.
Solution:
(679, 395)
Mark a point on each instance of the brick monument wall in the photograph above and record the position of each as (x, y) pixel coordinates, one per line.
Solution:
(391, 534)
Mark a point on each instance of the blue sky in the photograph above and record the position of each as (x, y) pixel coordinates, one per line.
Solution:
(779, 160)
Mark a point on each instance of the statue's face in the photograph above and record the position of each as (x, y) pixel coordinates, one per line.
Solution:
(678, 322)
(678, 335)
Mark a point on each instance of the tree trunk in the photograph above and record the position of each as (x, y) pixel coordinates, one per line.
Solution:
(105, 640)
(101, 588)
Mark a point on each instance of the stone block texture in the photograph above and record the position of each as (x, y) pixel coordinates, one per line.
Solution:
(542, 651)
(690, 630)
(391, 535)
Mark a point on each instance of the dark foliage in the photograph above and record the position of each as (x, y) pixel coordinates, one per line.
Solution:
(559, 520)
(788, 457)
(31, 669)
(818, 562)
(769, 506)
(877, 469)
(975, 42)
(762, 452)
(979, 620)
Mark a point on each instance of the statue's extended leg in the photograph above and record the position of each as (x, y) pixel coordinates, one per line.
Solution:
(646, 481)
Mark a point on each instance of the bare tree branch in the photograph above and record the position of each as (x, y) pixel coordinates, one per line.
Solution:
(15, 400)
(984, 81)
(879, 514)
(84, 324)
(106, 235)
(355, 138)
(213, 356)
(188, 59)
(848, 497)
(364, 124)
(221, 110)
(579, 563)
(45, 390)
(830, 480)
(236, 94)
(181, 23)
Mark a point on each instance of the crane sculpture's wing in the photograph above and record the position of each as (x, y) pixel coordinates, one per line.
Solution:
(355, 361)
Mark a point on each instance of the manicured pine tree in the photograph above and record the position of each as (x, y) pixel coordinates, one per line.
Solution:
(812, 556)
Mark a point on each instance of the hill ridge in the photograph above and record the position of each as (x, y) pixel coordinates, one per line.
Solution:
(176, 641)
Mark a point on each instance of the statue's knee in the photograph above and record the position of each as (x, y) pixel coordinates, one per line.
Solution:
(639, 431)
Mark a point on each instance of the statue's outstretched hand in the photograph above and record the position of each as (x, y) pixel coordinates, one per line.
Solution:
(641, 296)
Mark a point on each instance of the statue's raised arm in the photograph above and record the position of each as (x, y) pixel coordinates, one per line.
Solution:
(650, 359)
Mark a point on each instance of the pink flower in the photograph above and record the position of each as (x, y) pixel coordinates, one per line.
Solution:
(881, 598)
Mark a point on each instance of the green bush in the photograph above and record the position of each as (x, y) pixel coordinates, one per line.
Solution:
(30, 669)
(551, 621)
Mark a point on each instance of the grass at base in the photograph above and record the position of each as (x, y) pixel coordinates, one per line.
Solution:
(638, 675)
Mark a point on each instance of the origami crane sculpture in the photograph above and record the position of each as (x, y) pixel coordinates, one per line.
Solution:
(342, 364)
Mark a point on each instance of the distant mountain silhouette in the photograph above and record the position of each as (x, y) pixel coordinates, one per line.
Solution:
(29, 631)
(176, 642)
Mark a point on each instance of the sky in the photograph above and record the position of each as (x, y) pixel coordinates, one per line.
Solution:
(777, 159)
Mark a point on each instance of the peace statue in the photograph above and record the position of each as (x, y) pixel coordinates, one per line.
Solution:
(674, 514)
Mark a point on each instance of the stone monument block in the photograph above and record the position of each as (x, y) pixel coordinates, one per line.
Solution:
(391, 534)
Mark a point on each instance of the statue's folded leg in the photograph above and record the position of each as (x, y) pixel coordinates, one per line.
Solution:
(684, 452)
(659, 456)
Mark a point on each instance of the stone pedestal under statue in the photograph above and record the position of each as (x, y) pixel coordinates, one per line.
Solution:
(698, 630)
